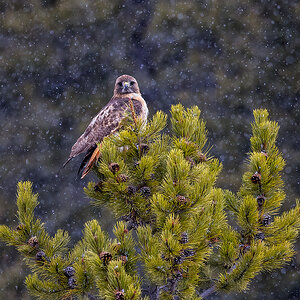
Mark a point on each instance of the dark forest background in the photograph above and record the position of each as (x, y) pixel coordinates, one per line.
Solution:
(58, 63)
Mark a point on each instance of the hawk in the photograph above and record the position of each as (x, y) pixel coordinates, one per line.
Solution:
(126, 97)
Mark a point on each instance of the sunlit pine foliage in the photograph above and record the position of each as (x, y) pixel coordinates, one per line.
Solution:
(173, 239)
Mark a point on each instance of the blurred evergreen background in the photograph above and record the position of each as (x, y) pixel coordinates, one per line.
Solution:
(58, 63)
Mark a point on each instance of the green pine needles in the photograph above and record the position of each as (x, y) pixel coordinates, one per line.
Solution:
(173, 240)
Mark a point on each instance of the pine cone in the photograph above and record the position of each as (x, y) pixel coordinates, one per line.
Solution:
(191, 161)
(145, 191)
(40, 256)
(122, 178)
(72, 283)
(259, 236)
(144, 148)
(124, 259)
(260, 200)
(33, 242)
(266, 220)
(178, 260)
(201, 157)
(131, 190)
(188, 252)
(256, 178)
(105, 257)
(182, 199)
(99, 186)
(184, 238)
(120, 295)
(178, 274)
(214, 240)
(69, 271)
(114, 167)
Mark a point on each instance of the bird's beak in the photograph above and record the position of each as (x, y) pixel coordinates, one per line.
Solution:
(126, 86)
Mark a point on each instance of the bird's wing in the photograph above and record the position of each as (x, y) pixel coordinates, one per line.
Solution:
(106, 122)
(137, 109)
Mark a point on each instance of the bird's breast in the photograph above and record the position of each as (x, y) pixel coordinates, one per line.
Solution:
(140, 105)
(144, 108)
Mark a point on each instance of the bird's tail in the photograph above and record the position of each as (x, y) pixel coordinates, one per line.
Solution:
(85, 160)
(93, 157)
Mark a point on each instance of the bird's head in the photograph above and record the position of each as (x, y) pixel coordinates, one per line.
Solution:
(126, 84)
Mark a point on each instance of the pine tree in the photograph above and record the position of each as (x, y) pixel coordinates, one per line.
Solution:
(173, 239)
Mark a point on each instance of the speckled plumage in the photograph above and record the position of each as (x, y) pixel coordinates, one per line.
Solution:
(109, 118)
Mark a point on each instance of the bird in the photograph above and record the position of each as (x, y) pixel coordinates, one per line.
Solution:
(126, 99)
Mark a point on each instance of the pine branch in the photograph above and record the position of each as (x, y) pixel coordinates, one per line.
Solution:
(208, 292)
(174, 226)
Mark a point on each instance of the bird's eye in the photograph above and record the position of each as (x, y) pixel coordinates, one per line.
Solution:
(120, 83)
(132, 82)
